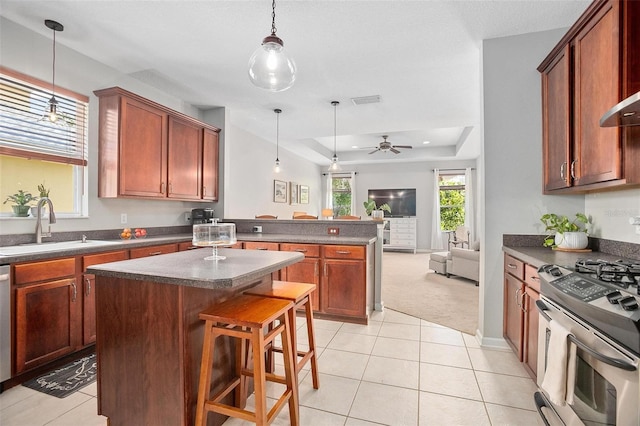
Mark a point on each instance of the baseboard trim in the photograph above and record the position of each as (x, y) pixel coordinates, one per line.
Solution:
(496, 343)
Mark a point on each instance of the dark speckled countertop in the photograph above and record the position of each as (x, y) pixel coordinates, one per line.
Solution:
(189, 268)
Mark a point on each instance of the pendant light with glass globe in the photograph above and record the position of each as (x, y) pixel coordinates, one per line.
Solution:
(52, 113)
(269, 67)
(334, 167)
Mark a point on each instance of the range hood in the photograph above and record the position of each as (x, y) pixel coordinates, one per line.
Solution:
(626, 113)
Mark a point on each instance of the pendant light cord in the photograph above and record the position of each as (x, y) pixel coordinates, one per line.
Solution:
(273, 17)
(277, 136)
(335, 127)
(53, 90)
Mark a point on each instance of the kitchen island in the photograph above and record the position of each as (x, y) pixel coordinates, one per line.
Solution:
(149, 336)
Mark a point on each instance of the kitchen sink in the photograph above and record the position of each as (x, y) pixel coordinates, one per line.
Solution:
(46, 247)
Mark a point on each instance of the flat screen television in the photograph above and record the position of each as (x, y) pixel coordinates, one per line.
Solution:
(402, 201)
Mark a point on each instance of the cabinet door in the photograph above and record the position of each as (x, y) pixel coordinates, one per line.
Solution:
(185, 160)
(530, 350)
(210, 157)
(343, 287)
(513, 315)
(556, 122)
(597, 150)
(143, 150)
(47, 322)
(306, 271)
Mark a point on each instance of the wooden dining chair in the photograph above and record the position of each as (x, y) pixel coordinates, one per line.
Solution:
(266, 216)
(299, 214)
(348, 217)
(305, 216)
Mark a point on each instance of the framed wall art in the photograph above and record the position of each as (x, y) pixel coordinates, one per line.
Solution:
(303, 193)
(293, 193)
(279, 191)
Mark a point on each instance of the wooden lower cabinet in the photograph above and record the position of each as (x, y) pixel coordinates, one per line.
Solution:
(306, 271)
(48, 312)
(343, 285)
(520, 325)
(258, 245)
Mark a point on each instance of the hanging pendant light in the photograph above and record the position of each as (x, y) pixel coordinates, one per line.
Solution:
(269, 67)
(52, 114)
(334, 167)
(276, 167)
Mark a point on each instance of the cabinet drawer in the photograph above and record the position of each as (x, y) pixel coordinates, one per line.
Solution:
(531, 277)
(96, 259)
(254, 245)
(344, 252)
(46, 270)
(514, 266)
(153, 250)
(309, 250)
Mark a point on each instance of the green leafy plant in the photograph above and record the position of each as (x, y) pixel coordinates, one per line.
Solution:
(21, 198)
(370, 205)
(44, 191)
(556, 224)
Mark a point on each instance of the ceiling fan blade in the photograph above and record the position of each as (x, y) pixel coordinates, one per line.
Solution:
(375, 150)
(395, 151)
(403, 146)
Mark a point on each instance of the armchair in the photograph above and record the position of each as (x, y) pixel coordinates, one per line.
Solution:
(465, 262)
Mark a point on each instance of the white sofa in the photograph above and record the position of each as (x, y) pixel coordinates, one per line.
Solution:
(465, 262)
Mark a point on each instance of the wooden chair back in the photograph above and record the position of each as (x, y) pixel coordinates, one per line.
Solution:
(299, 214)
(265, 216)
(305, 216)
(348, 217)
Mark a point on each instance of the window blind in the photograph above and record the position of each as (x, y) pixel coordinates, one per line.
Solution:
(25, 133)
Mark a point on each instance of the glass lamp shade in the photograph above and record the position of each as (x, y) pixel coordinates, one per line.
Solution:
(270, 68)
(334, 167)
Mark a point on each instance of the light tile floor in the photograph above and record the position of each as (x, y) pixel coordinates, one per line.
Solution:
(398, 370)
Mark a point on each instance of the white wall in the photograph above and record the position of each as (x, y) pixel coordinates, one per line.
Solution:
(512, 159)
(27, 52)
(610, 213)
(405, 175)
(249, 162)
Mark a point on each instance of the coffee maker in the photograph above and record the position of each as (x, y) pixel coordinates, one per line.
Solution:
(201, 216)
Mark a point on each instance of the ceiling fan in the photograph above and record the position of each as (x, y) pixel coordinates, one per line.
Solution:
(388, 146)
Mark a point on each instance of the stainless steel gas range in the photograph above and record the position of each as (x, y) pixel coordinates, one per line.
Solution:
(596, 305)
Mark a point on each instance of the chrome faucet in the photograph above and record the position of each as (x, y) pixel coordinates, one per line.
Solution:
(52, 219)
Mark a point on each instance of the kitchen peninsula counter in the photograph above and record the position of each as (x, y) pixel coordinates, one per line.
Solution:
(149, 335)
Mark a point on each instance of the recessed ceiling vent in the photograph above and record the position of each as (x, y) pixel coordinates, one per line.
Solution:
(374, 99)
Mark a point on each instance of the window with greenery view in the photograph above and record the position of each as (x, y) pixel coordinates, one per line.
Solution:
(35, 151)
(341, 195)
(452, 193)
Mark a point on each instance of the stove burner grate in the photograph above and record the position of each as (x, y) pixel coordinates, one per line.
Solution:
(618, 272)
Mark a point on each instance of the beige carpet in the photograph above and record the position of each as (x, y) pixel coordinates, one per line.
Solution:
(409, 286)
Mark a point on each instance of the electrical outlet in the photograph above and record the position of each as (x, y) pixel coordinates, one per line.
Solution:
(123, 218)
(334, 231)
(257, 229)
(187, 217)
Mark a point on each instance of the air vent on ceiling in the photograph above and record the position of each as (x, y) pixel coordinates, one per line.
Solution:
(374, 99)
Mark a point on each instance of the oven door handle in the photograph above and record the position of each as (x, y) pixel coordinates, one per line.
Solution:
(540, 402)
(618, 363)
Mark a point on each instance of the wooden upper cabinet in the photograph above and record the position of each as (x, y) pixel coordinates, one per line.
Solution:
(556, 121)
(210, 157)
(185, 159)
(589, 71)
(147, 150)
(597, 150)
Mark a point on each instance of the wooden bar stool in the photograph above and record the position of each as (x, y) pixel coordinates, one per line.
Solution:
(249, 319)
(300, 295)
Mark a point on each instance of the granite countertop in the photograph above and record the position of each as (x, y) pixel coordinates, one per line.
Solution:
(189, 268)
(538, 256)
(89, 248)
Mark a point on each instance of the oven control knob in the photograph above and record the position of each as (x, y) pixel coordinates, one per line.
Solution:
(628, 303)
(614, 297)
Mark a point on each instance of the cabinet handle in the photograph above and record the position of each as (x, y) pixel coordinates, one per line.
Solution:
(155, 253)
(343, 252)
(562, 167)
(325, 270)
(170, 188)
(88, 281)
(518, 298)
(162, 187)
(315, 269)
(511, 266)
(573, 169)
(534, 278)
(204, 191)
(301, 250)
(261, 248)
(75, 291)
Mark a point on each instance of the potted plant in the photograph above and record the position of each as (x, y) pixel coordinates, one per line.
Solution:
(21, 202)
(376, 212)
(44, 193)
(564, 233)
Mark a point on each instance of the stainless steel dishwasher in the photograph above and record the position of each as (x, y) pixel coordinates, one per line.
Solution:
(5, 323)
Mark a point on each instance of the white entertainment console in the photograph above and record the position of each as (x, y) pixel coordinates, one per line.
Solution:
(399, 233)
